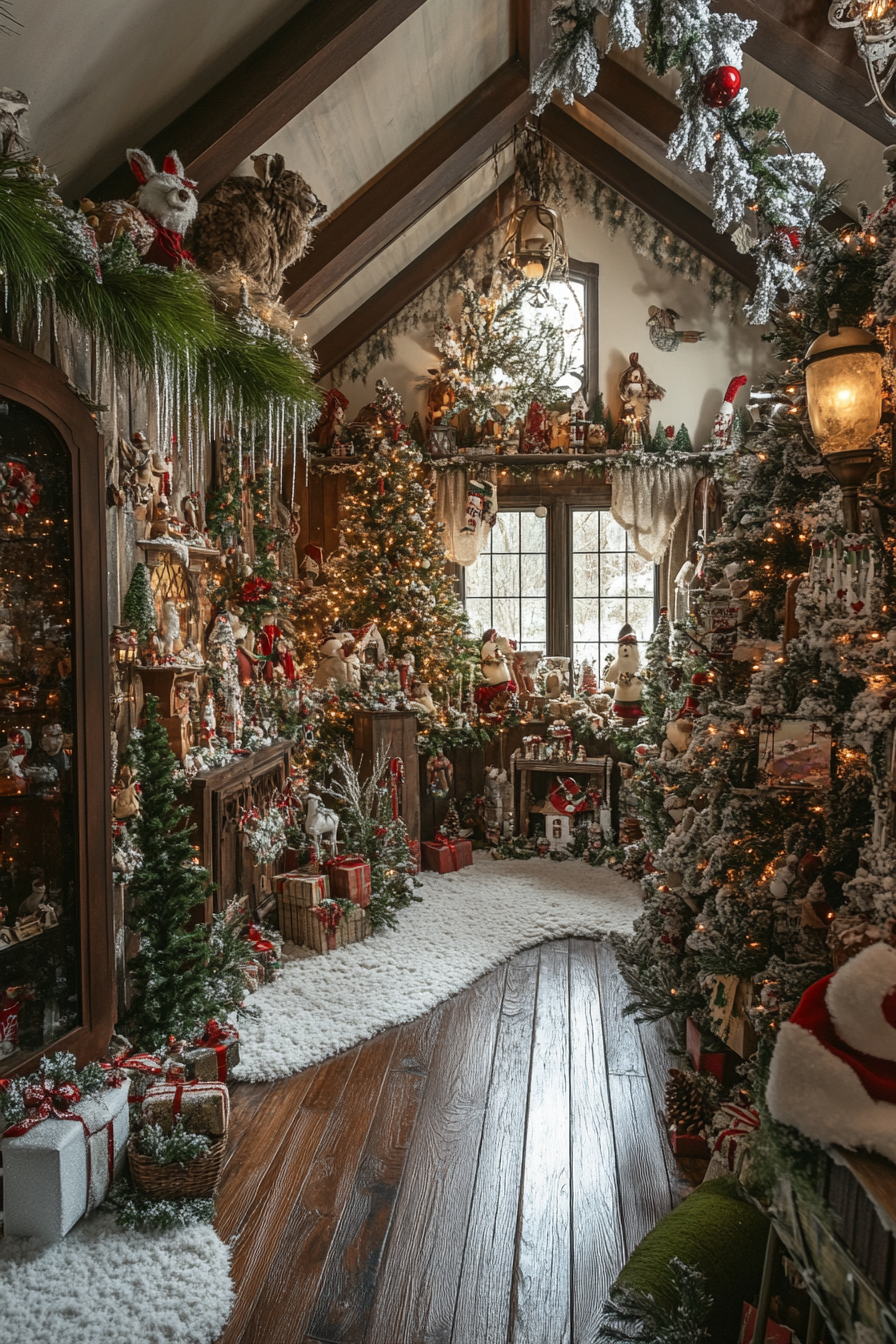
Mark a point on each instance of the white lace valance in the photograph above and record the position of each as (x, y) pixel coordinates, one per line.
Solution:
(650, 501)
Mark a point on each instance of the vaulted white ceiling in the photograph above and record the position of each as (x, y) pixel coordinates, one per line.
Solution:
(106, 74)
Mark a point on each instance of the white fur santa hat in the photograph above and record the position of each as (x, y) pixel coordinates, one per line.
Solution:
(833, 1073)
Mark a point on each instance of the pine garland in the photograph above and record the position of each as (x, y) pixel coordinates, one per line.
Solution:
(180, 1146)
(163, 321)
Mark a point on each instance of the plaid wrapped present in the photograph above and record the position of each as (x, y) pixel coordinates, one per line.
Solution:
(325, 927)
(297, 892)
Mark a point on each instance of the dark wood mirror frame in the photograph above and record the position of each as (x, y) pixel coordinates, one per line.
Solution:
(43, 389)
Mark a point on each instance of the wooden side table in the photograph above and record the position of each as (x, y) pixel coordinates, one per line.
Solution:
(592, 767)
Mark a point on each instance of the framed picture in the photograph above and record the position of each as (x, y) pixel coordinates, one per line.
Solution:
(797, 754)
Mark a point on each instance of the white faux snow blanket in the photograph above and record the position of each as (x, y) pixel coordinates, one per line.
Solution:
(467, 923)
(104, 1285)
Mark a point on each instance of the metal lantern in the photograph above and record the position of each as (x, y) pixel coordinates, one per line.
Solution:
(534, 247)
(873, 23)
(843, 397)
(442, 441)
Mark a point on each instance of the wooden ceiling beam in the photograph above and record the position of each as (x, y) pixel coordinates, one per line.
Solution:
(409, 187)
(638, 186)
(530, 31)
(376, 311)
(268, 89)
(787, 42)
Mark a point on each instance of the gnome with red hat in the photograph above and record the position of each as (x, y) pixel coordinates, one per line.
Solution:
(724, 421)
(833, 1073)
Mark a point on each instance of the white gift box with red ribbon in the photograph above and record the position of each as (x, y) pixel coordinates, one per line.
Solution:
(62, 1168)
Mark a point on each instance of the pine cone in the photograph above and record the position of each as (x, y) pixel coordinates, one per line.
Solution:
(685, 1108)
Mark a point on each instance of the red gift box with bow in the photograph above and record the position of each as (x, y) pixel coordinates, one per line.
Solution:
(446, 856)
(349, 876)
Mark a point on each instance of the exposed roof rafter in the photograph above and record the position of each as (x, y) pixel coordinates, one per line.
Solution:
(828, 73)
(268, 89)
(409, 187)
(381, 307)
(643, 190)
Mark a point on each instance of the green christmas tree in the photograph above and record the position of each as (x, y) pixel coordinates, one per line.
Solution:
(138, 611)
(170, 971)
(682, 441)
(660, 442)
(392, 570)
(657, 696)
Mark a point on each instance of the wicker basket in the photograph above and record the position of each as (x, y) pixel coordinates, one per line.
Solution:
(198, 1179)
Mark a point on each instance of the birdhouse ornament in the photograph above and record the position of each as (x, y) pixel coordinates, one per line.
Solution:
(622, 677)
(833, 1072)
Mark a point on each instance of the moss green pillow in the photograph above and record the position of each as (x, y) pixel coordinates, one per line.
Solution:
(719, 1233)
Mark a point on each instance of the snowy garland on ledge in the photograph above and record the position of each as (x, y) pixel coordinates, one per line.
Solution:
(770, 194)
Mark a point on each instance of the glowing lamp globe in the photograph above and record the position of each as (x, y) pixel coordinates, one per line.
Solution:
(843, 396)
(534, 246)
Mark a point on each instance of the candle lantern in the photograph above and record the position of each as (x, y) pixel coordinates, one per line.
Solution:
(534, 247)
(843, 397)
(442, 441)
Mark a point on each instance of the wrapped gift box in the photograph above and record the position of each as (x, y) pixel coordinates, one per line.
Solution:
(688, 1145)
(709, 1055)
(213, 1054)
(325, 929)
(205, 1107)
(254, 974)
(446, 856)
(349, 876)
(774, 1333)
(296, 892)
(61, 1169)
(730, 998)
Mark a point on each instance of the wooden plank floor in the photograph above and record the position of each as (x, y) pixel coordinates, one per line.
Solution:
(475, 1177)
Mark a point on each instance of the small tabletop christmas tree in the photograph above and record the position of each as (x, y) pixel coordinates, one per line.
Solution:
(138, 611)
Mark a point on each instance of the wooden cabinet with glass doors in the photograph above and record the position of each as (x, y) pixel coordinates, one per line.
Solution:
(56, 937)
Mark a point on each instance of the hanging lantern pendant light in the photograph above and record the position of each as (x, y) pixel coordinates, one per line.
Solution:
(534, 247)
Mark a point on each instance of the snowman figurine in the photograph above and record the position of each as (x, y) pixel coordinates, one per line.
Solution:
(622, 677)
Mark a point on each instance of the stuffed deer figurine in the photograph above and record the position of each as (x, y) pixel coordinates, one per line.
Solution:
(258, 225)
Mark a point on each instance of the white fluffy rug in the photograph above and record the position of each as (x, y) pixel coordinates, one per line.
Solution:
(467, 923)
(101, 1285)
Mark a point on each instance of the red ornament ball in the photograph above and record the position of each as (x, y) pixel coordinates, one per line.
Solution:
(721, 87)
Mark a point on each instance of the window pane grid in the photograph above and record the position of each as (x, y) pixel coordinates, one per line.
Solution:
(611, 586)
(506, 588)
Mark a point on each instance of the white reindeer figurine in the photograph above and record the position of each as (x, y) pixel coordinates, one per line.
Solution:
(320, 823)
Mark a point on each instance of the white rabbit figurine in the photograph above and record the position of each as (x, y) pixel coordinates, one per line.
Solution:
(169, 202)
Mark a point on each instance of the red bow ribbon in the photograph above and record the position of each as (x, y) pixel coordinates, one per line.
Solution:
(215, 1034)
(330, 916)
(253, 934)
(46, 1100)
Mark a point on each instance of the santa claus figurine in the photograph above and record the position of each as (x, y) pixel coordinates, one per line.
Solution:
(637, 392)
(724, 421)
(272, 645)
(536, 430)
(622, 677)
(833, 1073)
(495, 654)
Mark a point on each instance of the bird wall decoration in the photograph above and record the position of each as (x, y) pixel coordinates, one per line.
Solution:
(661, 329)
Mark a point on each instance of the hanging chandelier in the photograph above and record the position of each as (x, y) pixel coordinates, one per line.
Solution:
(874, 28)
(534, 247)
